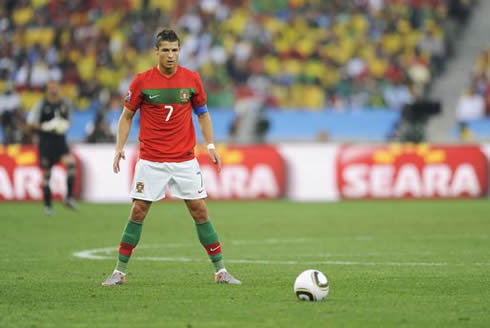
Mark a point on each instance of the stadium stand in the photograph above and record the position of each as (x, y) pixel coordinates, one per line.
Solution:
(473, 109)
(312, 55)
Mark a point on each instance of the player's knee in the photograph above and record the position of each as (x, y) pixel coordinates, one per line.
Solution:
(69, 161)
(45, 164)
(138, 214)
(46, 177)
(198, 211)
(71, 168)
(139, 211)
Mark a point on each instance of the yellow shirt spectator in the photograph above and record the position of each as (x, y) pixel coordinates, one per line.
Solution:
(22, 15)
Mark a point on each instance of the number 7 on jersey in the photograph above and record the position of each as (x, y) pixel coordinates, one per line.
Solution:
(170, 110)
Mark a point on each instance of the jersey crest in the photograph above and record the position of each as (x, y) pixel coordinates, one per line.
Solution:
(184, 95)
(140, 186)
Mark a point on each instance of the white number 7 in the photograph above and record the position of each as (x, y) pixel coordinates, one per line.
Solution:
(171, 109)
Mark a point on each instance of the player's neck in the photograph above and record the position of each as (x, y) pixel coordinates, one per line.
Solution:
(168, 72)
(52, 99)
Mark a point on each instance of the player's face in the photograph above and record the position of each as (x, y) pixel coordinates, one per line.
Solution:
(168, 54)
(52, 89)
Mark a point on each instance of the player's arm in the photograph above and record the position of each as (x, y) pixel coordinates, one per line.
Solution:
(204, 118)
(206, 127)
(63, 123)
(34, 119)
(123, 128)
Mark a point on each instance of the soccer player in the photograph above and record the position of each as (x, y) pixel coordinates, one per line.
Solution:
(166, 96)
(50, 117)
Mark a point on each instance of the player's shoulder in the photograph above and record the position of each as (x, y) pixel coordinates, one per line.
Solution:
(145, 74)
(185, 71)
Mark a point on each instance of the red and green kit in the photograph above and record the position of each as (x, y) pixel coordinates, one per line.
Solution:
(166, 103)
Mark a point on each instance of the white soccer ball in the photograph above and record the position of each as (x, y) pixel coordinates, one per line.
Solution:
(311, 285)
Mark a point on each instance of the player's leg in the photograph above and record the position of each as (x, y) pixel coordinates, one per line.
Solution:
(187, 183)
(132, 232)
(46, 169)
(205, 231)
(69, 162)
(209, 239)
(148, 186)
(129, 240)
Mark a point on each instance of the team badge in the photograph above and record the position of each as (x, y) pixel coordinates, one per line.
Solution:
(128, 96)
(184, 95)
(140, 186)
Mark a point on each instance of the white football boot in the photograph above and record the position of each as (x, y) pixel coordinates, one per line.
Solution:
(117, 278)
(224, 277)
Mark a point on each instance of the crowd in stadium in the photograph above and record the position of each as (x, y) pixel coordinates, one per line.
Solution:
(296, 54)
(474, 103)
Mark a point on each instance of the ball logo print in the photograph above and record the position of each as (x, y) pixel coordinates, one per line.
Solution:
(320, 280)
(311, 285)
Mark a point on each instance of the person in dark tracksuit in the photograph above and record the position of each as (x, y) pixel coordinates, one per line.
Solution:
(50, 118)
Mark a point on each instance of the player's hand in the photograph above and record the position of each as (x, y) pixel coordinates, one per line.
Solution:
(215, 158)
(49, 126)
(117, 158)
(62, 125)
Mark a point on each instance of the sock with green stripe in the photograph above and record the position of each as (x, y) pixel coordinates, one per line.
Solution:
(129, 240)
(209, 239)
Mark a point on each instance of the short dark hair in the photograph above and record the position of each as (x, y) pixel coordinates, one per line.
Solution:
(166, 35)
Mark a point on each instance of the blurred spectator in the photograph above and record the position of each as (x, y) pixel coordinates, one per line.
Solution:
(471, 106)
(250, 124)
(432, 44)
(312, 54)
(322, 136)
(397, 96)
(465, 133)
(9, 106)
(474, 104)
(481, 77)
(100, 131)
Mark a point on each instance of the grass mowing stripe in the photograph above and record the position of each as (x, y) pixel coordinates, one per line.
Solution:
(43, 285)
(90, 254)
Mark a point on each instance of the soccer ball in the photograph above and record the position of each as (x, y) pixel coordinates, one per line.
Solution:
(311, 285)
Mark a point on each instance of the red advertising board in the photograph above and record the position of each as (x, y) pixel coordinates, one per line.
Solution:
(411, 171)
(248, 172)
(21, 178)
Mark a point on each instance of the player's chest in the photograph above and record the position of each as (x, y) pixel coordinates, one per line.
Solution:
(51, 110)
(169, 95)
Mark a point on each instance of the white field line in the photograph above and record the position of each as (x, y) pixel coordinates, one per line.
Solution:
(108, 254)
(446, 237)
(274, 241)
(369, 254)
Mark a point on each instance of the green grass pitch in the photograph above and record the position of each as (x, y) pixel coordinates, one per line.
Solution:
(390, 264)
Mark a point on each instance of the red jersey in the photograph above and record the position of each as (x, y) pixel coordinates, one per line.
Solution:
(166, 104)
